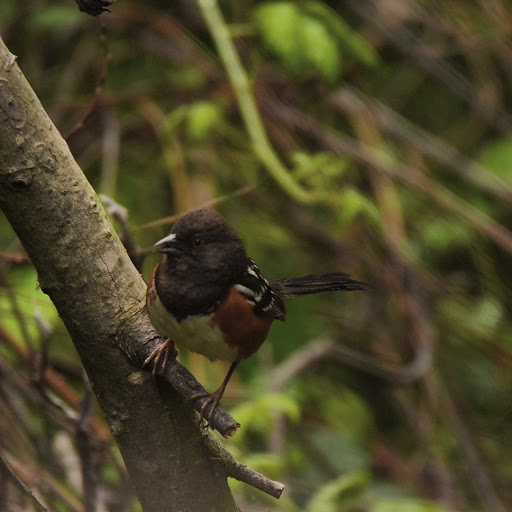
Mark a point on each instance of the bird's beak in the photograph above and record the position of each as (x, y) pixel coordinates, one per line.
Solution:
(167, 245)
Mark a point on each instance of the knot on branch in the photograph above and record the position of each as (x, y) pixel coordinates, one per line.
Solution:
(45, 157)
(20, 179)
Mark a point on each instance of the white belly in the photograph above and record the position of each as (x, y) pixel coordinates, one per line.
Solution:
(195, 333)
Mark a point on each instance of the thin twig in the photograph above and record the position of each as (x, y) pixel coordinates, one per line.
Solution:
(41, 357)
(39, 478)
(27, 389)
(248, 109)
(257, 480)
(85, 448)
(62, 393)
(407, 42)
(344, 145)
(120, 214)
(17, 480)
(11, 257)
(165, 221)
(425, 142)
(97, 93)
(320, 350)
(238, 471)
(110, 148)
(479, 475)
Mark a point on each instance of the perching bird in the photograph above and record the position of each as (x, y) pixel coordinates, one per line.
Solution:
(209, 296)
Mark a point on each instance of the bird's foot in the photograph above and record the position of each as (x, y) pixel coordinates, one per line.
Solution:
(213, 399)
(212, 402)
(165, 350)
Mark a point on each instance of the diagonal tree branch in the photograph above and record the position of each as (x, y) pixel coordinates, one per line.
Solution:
(99, 294)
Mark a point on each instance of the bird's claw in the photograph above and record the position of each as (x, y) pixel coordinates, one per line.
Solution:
(213, 399)
(165, 350)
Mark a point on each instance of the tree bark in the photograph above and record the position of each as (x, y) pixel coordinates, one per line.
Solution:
(100, 296)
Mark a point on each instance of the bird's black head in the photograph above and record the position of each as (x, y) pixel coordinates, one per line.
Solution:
(203, 243)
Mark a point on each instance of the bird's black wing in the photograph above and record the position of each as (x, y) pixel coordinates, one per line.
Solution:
(258, 292)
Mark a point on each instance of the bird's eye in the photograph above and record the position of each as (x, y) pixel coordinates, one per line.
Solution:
(197, 242)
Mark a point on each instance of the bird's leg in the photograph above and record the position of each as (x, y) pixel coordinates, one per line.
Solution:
(214, 398)
(165, 349)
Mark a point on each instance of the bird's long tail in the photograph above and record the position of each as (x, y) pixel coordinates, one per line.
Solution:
(316, 283)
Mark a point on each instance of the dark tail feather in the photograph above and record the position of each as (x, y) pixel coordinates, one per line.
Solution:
(316, 283)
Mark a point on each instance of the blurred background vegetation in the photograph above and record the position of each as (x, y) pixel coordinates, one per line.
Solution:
(370, 137)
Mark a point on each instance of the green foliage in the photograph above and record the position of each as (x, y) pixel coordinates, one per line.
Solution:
(19, 307)
(354, 205)
(338, 86)
(350, 40)
(497, 157)
(200, 120)
(339, 494)
(441, 234)
(345, 411)
(319, 170)
(203, 118)
(309, 36)
(173, 121)
(338, 451)
(487, 314)
(260, 414)
(279, 25)
(407, 505)
(321, 50)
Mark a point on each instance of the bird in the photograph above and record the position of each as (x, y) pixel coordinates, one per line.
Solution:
(209, 296)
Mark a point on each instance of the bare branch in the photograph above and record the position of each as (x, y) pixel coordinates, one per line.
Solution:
(320, 350)
(428, 144)
(17, 480)
(480, 476)
(97, 92)
(257, 480)
(100, 296)
(343, 145)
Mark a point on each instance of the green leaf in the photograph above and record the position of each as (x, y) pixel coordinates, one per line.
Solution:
(342, 453)
(318, 170)
(352, 204)
(30, 300)
(279, 25)
(259, 415)
(350, 40)
(407, 505)
(486, 314)
(338, 494)
(351, 413)
(321, 49)
(445, 234)
(202, 119)
(497, 157)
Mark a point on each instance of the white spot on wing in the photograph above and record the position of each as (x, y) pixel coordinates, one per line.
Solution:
(270, 305)
(244, 290)
(251, 271)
